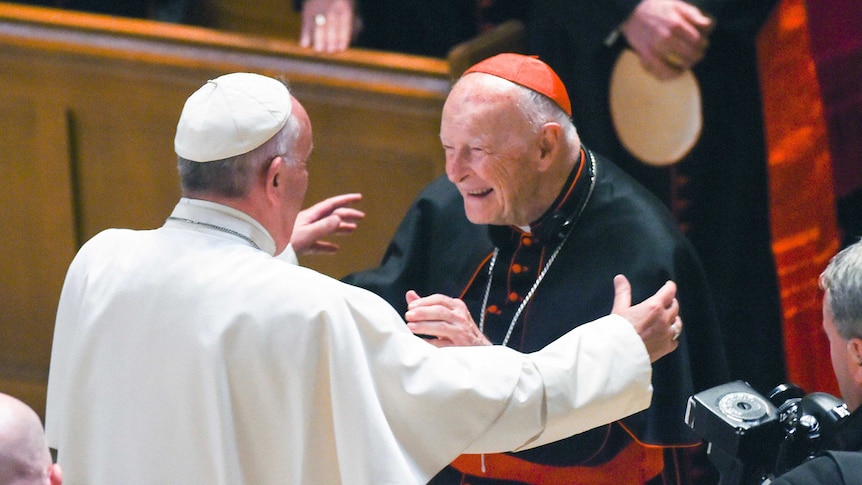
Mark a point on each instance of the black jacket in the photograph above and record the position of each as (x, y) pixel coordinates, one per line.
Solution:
(427, 27)
(720, 189)
(622, 229)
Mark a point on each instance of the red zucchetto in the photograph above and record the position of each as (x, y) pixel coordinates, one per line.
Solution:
(528, 71)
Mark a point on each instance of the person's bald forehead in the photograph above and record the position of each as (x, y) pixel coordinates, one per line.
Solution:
(482, 92)
(483, 86)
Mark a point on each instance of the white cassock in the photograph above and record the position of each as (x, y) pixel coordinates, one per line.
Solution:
(183, 355)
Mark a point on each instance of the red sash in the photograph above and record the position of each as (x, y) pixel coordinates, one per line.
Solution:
(636, 463)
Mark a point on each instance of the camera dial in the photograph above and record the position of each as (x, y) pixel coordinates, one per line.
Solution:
(743, 406)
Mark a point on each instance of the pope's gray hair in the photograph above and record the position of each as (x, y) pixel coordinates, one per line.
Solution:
(232, 177)
(842, 281)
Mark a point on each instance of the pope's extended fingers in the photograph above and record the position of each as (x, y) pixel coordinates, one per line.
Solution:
(322, 228)
(622, 294)
(333, 204)
(343, 199)
(349, 215)
(655, 319)
(667, 295)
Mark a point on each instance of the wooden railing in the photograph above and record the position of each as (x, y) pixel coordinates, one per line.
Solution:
(88, 109)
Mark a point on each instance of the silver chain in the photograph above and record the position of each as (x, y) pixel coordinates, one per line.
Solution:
(217, 228)
(487, 291)
(526, 298)
(541, 275)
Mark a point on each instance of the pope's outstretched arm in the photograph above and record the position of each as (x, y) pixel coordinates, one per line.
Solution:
(595, 374)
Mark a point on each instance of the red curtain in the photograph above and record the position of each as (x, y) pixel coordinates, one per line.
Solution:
(804, 227)
(835, 28)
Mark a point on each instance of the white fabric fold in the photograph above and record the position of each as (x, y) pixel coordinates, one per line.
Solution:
(180, 357)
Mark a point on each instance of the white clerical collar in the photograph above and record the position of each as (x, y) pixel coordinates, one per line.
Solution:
(219, 218)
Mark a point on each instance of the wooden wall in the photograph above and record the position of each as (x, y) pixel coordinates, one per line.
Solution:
(88, 109)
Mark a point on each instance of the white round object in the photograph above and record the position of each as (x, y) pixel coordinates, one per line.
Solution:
(657, 121)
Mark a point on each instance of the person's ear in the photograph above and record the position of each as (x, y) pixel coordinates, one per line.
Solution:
(273, 177)
(549, 143)
(854, 349)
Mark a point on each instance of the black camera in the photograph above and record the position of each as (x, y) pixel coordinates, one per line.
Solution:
(752, 438)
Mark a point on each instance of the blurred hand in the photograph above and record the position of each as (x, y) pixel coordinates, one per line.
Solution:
(670, 36)
(327, 25)
(326, 218)
(656, 319)
(442, 317)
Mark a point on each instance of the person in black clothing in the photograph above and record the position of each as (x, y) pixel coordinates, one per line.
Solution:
(719, 192)
(420, 27)
(529, 225)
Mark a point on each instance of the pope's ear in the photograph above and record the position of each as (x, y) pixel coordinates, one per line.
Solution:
(272, 177)
(854, 348)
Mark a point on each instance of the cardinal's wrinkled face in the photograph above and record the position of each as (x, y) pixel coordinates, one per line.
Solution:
(492, 152)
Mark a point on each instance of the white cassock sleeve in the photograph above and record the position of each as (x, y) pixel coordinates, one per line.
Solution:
(591, 376)
(440, 403)
(293, 377)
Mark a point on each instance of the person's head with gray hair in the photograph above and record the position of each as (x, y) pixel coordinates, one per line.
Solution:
(242, 140)
(229, 131)
(24, 455)
(842, 320)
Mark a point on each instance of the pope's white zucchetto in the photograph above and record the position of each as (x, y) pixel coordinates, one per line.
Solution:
(231, 115)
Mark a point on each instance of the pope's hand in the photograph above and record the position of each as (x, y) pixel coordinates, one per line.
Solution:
(329, 217)
(656, 319)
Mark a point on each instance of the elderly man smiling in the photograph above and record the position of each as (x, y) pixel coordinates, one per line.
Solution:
(529, 225)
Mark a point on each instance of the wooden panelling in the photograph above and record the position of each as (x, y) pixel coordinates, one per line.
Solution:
(37, 237)
(88, 109)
